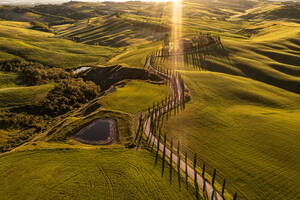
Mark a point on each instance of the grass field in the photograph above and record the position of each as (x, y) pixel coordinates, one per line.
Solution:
(243, 118)
(17, 96)
(135, 96)
(10, 80)
(85, 174)
(17, 40)
(247, 130)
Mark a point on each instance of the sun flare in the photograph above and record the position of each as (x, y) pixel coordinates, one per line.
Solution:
(176, 34)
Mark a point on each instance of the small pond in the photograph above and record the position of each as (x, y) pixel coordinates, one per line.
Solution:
(99, 132)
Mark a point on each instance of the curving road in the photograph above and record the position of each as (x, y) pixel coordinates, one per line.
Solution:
(178, 90)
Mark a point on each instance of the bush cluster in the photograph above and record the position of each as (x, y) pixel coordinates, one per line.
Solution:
(40, 26)
(69, 94)
(35, 73)
(20, 120)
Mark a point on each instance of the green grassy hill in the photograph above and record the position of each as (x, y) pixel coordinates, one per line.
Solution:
(16, 96)
(245, 129)
(10, 80)
(85, 174)
(17, 40)
(135, 96)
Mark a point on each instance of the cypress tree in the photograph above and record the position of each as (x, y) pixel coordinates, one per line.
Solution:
(195, 176)
(204, 184)
(223, 188)
(164, 155)
(178, 164)
(213, 178)
(171, 161)
(235, 196)
(203, 171)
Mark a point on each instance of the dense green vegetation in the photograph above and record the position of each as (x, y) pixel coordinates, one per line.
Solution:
(35, 73)
(68, 95)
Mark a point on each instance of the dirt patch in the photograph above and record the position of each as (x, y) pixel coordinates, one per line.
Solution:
(99, 132)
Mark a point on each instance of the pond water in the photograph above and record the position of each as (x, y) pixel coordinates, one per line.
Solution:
(81, 69)
(101, 131)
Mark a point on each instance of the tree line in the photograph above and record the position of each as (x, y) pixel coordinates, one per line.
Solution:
(196, 52)
(35, 73)
(155, 117)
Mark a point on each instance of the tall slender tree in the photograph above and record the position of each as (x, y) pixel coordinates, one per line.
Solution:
(171, 161)
(235, 196)
(223, 188)
(195, 177)
(214, 177)
(178, 164)
(164, 155)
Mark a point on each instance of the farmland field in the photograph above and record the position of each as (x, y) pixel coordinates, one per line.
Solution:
(239, 61)
(85, 174)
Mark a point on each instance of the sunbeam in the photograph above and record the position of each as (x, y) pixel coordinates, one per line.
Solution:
(176, 31)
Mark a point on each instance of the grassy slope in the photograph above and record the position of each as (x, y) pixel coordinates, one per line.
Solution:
(135, 96)
(10, 80)
(17, 40)
(17, 96)
(260, 49)
(85, 174)
(247, 130)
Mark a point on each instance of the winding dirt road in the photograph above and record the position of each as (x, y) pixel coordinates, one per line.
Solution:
(202, 183)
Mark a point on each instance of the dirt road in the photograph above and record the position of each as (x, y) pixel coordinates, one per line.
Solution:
(177, 89)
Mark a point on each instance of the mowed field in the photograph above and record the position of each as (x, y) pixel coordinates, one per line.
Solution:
(247, 130)
(135, 96)
(85, 174)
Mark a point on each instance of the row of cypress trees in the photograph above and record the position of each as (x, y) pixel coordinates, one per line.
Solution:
(156, 116)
